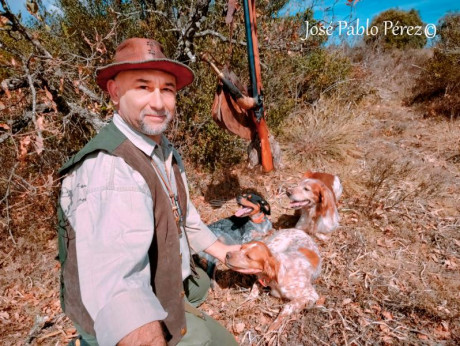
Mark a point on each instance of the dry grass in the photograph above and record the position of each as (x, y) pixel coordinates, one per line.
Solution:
(327, 130)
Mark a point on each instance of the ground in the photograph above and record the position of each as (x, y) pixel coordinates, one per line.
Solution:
(390, 272)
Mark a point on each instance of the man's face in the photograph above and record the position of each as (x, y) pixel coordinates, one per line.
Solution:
(145, 99)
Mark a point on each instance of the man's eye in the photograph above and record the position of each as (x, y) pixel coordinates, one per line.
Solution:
(143, 87)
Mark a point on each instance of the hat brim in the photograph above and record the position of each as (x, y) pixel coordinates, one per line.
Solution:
(184, 75)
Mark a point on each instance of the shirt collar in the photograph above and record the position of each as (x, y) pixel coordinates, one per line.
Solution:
(141, 141)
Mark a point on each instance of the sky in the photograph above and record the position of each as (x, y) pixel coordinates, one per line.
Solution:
(19, 6)
(430, 10)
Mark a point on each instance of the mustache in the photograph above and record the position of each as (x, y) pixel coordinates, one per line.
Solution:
(164, 113)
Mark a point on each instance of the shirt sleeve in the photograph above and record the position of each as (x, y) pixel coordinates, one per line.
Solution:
(113, 223)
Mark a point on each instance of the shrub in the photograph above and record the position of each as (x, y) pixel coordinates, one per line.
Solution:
(438, 86)
(298, 79)
(388, 40)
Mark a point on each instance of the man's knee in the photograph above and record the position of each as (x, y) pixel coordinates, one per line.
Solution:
(206, 331)
(196, 289)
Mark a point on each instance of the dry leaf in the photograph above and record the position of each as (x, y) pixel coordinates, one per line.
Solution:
(39, 146)
(346, 301)
(320, 301)
(422, 337)
(388, 315)
(23, 146)
(6, 90)
(4, 126)
(49, 96)
(40, 122)
(384, 328)
(4, 315)
(239, 327)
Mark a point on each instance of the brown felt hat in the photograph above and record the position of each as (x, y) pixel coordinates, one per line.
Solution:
(141, 54)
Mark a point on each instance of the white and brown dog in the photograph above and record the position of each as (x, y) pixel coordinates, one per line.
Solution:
(287, 261)
(316, 197)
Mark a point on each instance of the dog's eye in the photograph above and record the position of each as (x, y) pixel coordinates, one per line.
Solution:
(251, 256)
(306, 189)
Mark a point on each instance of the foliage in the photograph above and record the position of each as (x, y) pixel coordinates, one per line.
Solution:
(438, 86)
(301, 78)
(399, 39)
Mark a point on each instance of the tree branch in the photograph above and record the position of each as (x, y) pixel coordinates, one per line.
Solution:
(209, 32)
(34, 105)
(90, 117)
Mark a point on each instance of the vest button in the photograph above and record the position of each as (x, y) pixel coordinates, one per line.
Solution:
(183, 331)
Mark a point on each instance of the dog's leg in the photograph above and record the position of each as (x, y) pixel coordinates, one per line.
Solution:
(293, 307)
(255, 292)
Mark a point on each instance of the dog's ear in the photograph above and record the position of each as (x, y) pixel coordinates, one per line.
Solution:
(308, 174)
(271, 268)
(326, 199)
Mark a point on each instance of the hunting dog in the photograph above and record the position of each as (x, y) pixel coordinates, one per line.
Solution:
(288, 261)
(316, 197)
(249, 222)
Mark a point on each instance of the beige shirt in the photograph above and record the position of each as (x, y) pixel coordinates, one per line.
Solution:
(109, 205)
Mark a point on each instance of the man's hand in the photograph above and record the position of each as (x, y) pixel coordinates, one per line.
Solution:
(219, 250)
(149, 334)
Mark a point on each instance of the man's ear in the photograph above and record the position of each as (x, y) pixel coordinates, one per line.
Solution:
(112, 88)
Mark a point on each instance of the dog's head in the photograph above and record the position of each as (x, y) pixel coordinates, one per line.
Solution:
(251, 204)
(254, 255)
(312, 194)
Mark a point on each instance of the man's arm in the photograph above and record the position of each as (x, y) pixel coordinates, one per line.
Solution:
(149, 334)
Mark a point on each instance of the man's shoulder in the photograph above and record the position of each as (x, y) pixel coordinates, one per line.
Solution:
(107, 140)
(102, 170)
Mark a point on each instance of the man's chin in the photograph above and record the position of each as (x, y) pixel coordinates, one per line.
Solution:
(151, 130)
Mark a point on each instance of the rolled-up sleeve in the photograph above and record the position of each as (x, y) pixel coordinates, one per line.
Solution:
(113, 223)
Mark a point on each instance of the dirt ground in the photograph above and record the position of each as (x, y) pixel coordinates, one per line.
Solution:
(390, 272)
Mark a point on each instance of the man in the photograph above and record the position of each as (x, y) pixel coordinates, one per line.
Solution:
(127, 226)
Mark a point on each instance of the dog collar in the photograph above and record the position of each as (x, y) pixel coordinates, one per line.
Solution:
(258, 218)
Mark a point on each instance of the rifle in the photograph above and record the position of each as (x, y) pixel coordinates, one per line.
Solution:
(257, 113)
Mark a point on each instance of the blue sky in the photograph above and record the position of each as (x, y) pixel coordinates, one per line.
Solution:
(430, 10)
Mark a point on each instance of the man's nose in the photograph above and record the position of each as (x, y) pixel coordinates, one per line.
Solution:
(156, 100)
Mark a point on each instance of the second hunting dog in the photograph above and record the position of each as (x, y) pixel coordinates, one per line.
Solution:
(316, 197)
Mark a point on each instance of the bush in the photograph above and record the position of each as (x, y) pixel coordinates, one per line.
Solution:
(438, 86)
(387, 40)
(299, 79)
